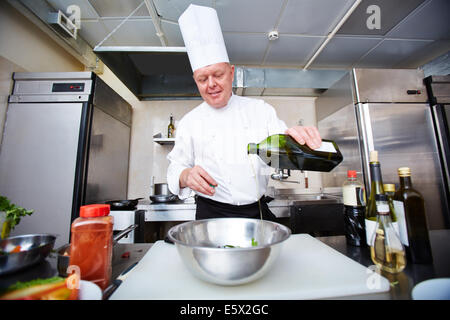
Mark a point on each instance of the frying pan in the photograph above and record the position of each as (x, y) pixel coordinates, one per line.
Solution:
(34, 249)
(123, 204)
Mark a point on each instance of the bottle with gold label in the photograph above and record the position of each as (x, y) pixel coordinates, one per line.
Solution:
(410, 209)
(386, 249)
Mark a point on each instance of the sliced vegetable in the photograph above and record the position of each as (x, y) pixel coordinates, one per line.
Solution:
(254, 244)
(16, 249)
(55, 288)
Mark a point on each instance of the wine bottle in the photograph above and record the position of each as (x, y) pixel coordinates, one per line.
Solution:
(386, 250)
(376, 187)
(171, 128)
(389, 191)
(282, 151)
(410, 208)
(354, 199)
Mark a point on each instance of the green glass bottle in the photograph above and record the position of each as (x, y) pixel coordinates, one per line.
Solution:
(376, 187)
(171, 128)
(410, 209)
(282, 151)
(389, 190)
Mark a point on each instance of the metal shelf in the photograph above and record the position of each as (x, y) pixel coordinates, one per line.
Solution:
(163, 141)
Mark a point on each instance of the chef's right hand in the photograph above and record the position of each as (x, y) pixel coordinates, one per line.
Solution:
(197, 179)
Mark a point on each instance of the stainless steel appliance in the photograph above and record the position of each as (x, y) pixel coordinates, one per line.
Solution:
(125, 218)
(388, 111)
(438, 90)
(65, 144)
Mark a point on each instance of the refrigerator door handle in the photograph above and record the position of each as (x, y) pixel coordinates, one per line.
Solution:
(367, 145)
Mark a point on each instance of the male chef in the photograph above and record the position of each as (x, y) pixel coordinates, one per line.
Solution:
(210, 153)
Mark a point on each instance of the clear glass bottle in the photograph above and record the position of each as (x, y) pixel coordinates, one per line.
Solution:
(282, 151)
(354, 198)
(91, 244)
(386, 250)
(410, 208)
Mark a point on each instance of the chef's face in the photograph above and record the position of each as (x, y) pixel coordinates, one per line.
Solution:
(214, 83)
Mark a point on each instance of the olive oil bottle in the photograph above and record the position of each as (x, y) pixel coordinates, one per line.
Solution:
(171, 128)
(386, 251)
(376, 187)
(282, 151)
(410, 208)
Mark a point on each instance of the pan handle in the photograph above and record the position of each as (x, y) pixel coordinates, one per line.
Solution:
(123, 233)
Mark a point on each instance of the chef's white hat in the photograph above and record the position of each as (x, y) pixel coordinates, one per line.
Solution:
(202, 36)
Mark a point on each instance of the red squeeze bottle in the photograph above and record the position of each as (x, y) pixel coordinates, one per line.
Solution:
(91, 244)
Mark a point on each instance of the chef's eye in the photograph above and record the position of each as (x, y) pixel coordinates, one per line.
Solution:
(202, 79)
(219, 75)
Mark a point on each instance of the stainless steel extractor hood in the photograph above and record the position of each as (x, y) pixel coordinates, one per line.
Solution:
(151, 72)
(165, 73)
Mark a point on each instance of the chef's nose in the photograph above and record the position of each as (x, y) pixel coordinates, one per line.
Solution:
(211, 82)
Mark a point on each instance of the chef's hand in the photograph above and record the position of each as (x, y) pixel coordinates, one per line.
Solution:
(308, 135)
(197, 179)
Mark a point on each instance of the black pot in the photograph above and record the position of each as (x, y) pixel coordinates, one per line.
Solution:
(116, 205)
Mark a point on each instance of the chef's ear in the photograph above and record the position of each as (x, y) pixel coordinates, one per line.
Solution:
(232, 69)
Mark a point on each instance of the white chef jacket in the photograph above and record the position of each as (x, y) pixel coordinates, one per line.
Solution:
(216, 139)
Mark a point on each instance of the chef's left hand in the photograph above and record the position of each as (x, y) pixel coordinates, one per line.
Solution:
(308, 135)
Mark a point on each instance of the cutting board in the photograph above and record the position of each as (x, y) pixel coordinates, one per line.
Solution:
(305, 269)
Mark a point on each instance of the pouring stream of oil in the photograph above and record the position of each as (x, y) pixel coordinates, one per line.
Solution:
(259, 199)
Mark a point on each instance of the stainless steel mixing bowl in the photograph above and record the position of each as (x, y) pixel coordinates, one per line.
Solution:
(201, 246)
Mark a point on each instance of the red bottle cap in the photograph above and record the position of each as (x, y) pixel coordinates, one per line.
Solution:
(351, 173)
(94, 210)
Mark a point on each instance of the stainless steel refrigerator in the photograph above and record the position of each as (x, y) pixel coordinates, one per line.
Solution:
(386, 110)
(65, 144)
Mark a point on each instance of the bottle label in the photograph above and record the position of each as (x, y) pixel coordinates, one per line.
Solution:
(349, 196)
(326, 147)
(382, 208)
(353, 196)
(395, 225)
(401, 221)
(370, 229)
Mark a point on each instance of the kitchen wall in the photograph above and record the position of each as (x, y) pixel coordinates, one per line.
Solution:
(25, 48)
(148, 158)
